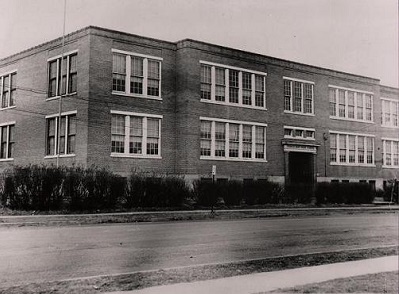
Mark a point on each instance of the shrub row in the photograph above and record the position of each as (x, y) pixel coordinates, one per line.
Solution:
(348, 193)
(78, 189)
(231, 193)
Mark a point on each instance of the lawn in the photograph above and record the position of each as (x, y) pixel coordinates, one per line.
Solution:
(373, 283)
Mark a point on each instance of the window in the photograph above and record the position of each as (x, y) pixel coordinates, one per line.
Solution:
(232, 140)
(351, 149)
(299, 133)
(220, 139)
(220, 87)
(350, 104)
(61, 137)
(8, 89)
(62, 76)
(246, 88)
(206, 138)
(136, 74)
(298, 96)
(232, 86)
(390, 152)
(390, 112)
(135, 134)
(7, 141)
(206, 82)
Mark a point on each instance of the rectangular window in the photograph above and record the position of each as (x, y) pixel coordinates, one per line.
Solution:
(135, 134)
(390, 112)
(220, 88)
(333, 148)
(287, 95)
(308, 93)
(246, 88)
(232, 140)
(141, 74)
(61, 135)
(233, 86)
(230, 85)
(206, 82)
(298, 96)
(260, 142)
(341, 103)
(342, 147)
(220, 139)
(8, 89)
(137, 75)
(7, 141)
(259, 91)
(299, 133)
(152, 136)
(62, 75)
(350, 104)
(246, 141)
(351, 149)
(206, 139)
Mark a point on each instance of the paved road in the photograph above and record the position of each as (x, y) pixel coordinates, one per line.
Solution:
(53, 253)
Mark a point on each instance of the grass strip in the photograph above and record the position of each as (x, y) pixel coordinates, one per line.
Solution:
(138, 280)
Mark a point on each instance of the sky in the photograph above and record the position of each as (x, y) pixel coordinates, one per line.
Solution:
(355, 36)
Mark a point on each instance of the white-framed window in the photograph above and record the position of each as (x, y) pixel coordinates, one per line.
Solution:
(136, 75)
(62, 76)
(390, 113)
(390, 152)
(222, 139)
(350, 104)
(298, 96)
(351, 149)
(299, 133)
(228, 85)
(61, 136)
(8, 89)
(7, 141)
(135, 134)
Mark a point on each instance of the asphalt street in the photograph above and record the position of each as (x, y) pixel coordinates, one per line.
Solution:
(37, 254)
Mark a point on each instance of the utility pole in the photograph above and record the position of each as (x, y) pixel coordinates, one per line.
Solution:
(58, 147)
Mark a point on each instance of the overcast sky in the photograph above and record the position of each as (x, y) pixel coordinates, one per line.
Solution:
(356, 36)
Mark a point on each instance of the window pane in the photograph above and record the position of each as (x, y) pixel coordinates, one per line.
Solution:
(119, 64)
(259, 83)
(152, 128)
(246, 81)
(153, 88)
(118, 124)
(153, 69)
(205, 129)
(136, 126)
(137, 66)
(220, 76)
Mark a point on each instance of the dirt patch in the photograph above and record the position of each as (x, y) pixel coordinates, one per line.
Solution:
(140, 280)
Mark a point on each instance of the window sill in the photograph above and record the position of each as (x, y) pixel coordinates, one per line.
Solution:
(136, 95)
(391, 166)
(6, 108)
(233, 104)
(351, 119)
(61, 156)
(136, 156)
(6, 159)
(298, 113)
(299, 138)
(233, 159)
(390, 127)
(352, 164)
(57, 97)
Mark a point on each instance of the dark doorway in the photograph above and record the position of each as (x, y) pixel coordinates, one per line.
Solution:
(300, 186)
(301, 168)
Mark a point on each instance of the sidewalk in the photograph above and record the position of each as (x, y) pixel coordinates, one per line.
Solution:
(269, 281)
